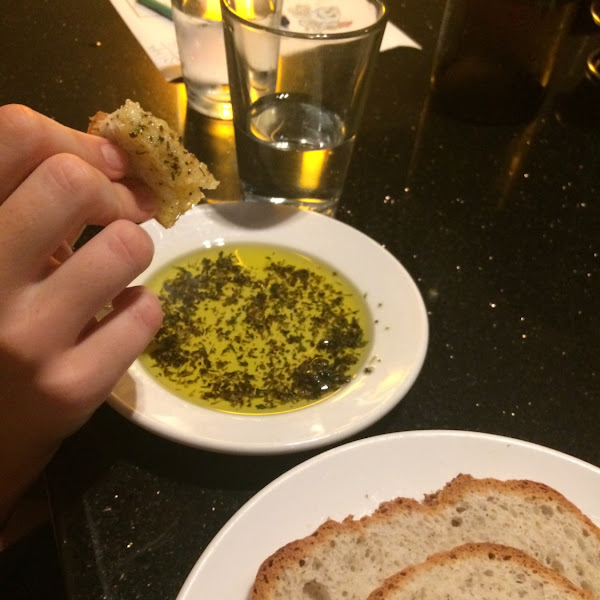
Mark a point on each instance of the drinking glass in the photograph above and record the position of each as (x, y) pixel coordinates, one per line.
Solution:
(199, 31)
(299, 76)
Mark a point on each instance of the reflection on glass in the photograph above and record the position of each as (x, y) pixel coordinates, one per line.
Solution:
(593, 66)
(495, 58)
(581, 107)
(595, 10)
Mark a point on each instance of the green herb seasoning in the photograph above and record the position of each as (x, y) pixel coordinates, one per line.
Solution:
(256, 329)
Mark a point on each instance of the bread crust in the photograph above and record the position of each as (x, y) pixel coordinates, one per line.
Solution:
(469, 561)
(358, 554)
(95, 122)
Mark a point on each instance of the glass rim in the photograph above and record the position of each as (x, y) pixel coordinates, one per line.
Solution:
(343, 35)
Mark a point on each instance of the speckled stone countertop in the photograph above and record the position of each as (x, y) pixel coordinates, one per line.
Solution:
(498, 225)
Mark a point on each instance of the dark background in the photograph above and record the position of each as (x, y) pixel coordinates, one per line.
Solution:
(498, 225)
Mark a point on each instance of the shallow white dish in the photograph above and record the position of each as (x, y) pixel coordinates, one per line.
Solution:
(400, 334)
(355, 478)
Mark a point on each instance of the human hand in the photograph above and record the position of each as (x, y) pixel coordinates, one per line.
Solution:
(57, 363)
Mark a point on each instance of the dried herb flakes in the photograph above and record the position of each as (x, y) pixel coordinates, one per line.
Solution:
(256, 330)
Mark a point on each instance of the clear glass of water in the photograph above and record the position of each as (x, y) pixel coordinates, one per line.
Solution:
(199, 31)
(299, 75)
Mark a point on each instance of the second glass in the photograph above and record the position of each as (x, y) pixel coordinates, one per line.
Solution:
(299, 76)
(199, 30)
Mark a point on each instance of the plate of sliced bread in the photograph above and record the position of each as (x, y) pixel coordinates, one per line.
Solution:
(422, 514)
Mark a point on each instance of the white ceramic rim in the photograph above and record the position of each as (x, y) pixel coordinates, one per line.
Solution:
(353, 479)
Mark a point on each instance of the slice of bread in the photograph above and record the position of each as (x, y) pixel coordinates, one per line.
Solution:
(349, 559)
(157, 157)
(479, 572)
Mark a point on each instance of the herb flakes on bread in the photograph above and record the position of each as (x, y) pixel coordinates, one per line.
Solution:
(157, 157)
(350, 559)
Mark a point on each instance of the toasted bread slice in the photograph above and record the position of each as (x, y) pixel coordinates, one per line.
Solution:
(349, 559)
(479, 572)
(157, 157)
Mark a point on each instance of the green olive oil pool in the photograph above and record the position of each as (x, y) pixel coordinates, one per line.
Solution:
(256, 329)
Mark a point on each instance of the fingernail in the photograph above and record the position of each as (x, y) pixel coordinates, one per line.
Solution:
(115, 157)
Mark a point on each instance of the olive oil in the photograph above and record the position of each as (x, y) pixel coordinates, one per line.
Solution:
(256, 329)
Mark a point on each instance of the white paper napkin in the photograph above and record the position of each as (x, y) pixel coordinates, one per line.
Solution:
(156, 34)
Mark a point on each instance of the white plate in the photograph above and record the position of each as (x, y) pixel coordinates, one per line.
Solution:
(400, 334)
(355, 478)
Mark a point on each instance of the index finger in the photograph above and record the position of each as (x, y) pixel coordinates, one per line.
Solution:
(28, 138)
(60, 196)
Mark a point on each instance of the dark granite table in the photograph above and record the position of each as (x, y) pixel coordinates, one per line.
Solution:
(498, 225)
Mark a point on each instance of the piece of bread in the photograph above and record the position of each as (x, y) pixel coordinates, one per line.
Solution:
(479, 572)
(157, 157)
(349, 559)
